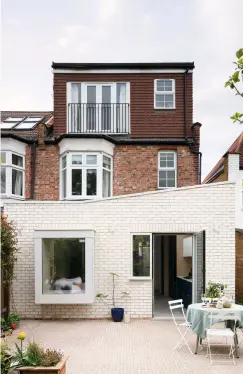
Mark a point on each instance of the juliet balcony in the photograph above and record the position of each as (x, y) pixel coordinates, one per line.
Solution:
(111, 118)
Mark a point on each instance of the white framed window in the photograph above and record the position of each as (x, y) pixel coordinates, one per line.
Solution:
(64, 267)
(85, 175)
(167, 169)
(141, 256)
(12, 174)
(164, 94)
(98, 107)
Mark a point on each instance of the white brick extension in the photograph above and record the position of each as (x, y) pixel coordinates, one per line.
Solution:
(208, 207)
(236, 175)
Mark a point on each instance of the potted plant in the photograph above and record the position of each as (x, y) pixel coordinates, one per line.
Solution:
(117, 313)
(5, 328)
(13, 320)
(35, 359)
(214, 291)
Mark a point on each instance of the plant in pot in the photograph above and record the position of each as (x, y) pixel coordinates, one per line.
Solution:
(214, 291)
(13, 320)
(34, 358)
(117, 313)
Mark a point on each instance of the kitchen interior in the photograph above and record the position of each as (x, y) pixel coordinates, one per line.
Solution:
(172, 272)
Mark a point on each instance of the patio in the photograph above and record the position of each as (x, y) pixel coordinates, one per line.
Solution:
(142, 346)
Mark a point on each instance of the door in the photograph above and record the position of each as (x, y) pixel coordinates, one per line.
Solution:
(198, 266)
(99, 108)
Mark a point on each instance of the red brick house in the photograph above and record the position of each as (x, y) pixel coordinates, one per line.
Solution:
(115, 129)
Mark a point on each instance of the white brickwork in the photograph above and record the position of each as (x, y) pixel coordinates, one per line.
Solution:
(236, 175)
(209, 207)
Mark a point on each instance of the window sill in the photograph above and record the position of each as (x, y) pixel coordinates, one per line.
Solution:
(5, 197)
(164, 109)
(140, 279)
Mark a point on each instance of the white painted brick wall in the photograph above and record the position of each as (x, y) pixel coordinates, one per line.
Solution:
(236, 175)
(209, 207)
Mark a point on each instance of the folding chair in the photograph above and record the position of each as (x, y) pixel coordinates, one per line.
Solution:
(222, 316)
(177, 305)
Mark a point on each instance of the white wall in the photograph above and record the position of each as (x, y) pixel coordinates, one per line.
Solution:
(236, 175)
(208, 207)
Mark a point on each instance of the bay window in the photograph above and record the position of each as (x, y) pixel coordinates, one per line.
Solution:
(12, 174)
(85, 175)
(64, 267)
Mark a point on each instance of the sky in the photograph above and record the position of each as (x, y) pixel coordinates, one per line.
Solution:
(208, 32)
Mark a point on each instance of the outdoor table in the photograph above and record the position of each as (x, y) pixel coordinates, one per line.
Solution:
(198, 317)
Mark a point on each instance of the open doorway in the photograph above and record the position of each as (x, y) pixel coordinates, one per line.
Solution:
(175, 258)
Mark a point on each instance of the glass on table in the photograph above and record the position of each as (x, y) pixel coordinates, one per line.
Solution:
(203, 298)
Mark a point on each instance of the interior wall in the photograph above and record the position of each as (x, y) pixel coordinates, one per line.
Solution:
(157, 264)
(184, 264)
(166, 265)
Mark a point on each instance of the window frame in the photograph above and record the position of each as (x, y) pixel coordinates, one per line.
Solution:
(83, 97)
(165, 93)
(83, 298)
(84, 167)
(168, 168)
(139, 278)
(9, 166)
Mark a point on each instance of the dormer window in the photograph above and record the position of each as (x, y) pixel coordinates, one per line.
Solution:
(164, 94)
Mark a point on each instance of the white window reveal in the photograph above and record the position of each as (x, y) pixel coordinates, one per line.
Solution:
(141, 256)
(12, 174)
(164, 94)
(86, 175)
(64, 262)
(167, 176)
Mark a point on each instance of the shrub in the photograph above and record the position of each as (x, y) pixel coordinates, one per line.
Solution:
(51, 357)
(5, 359)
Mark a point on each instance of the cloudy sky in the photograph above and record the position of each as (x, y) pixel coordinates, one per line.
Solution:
(35, 33)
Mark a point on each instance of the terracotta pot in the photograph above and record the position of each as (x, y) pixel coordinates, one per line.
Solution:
(13, 326)
(60, 368)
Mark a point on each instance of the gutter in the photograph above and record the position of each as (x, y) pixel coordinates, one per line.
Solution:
(185, 100)
(113, 140)
(200, 165)
(33, 169)
(16, 137)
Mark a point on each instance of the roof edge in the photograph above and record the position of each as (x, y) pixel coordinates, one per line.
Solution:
(16, 137)
(126, 65)
(113, 140)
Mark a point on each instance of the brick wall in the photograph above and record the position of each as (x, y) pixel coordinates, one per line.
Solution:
(239, 265)
(136, 168)
(46, 169)
(236, 175)
(191, 209)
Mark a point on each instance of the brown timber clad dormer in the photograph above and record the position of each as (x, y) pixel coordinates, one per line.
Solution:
(145, 121)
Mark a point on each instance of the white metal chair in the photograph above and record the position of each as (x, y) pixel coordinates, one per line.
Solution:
(178, 305)
(222, 316)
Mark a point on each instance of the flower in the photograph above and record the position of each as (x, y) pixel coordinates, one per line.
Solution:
(21, 336)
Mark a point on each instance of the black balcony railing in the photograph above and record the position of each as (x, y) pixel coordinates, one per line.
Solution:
(98, 118)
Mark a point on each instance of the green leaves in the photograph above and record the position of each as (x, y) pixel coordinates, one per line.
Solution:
(233, 81)
(239, 53)
(237, 117)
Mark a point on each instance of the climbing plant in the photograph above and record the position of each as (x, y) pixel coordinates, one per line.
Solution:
(8, 250)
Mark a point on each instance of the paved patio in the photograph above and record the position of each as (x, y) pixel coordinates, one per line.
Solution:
(143, 346)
